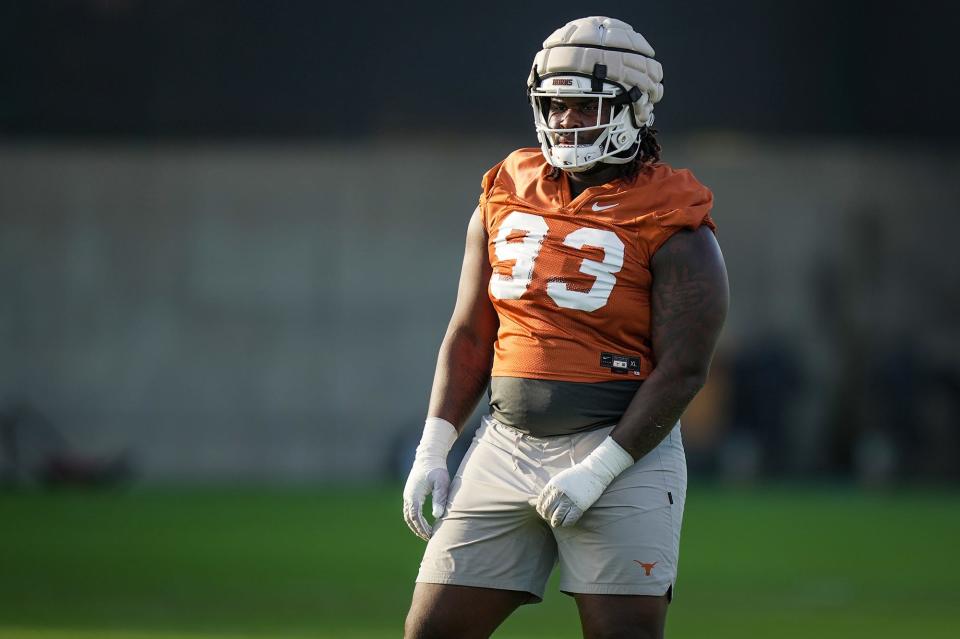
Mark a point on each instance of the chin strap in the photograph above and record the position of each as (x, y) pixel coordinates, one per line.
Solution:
(628, 97)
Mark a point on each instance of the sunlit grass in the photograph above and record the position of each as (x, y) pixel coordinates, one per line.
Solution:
(298, 563)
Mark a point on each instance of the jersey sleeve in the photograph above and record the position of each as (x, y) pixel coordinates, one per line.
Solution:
(486, 186)
(686, 206)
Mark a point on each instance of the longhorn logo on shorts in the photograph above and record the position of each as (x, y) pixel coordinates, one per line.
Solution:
(646, 567)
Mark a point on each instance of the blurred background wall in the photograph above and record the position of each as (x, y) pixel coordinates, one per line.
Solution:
(230, 232)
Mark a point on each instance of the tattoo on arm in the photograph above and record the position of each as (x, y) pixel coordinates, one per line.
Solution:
(689, 300)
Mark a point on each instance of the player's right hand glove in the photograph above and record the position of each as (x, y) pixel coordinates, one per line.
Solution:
(571, 492)
(429, 475)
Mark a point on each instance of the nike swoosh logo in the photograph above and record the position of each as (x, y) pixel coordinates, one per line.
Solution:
(597, 207)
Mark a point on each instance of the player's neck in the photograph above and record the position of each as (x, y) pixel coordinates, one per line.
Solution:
(603, 173)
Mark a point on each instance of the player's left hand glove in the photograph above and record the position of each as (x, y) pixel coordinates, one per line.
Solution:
(571, 492)
(429, 475)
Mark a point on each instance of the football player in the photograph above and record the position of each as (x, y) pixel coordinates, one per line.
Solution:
(593, 283)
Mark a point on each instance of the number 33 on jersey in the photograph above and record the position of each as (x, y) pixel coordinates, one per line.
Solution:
(571, 277)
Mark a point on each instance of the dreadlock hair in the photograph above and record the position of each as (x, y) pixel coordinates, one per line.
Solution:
(648, 154)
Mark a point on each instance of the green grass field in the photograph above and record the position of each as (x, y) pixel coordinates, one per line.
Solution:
(229, 564)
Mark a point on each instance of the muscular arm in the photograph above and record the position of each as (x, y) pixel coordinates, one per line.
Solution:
(466, 354)
(689, 303)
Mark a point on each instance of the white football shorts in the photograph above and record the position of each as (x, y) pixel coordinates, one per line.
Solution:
(627, 543)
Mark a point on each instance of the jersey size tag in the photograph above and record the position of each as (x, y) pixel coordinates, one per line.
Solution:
(620, 363)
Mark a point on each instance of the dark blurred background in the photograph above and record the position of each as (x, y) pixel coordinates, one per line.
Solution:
(230, 232)
(173, 69)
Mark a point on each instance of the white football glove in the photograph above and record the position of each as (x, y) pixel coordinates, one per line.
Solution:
(568, 495)
(429, 475)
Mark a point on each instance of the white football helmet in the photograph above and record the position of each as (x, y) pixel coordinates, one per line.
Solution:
(604, 59)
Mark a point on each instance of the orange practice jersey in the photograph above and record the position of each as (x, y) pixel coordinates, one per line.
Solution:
(571, 278)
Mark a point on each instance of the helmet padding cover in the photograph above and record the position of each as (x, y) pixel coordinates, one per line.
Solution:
(610, 46)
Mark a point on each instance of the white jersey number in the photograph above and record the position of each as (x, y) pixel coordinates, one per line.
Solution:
(526, 251)
(612, 262)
